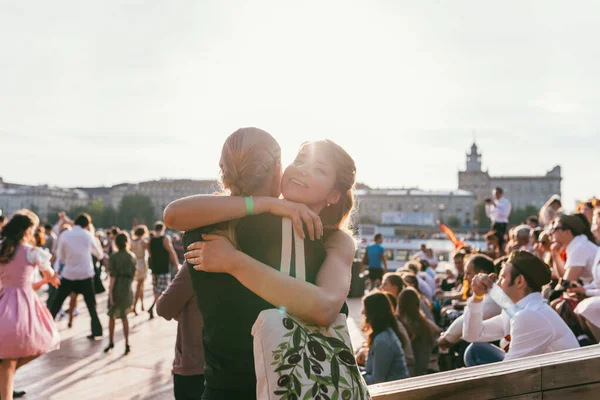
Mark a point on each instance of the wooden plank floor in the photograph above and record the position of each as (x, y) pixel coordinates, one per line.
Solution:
(80, 370)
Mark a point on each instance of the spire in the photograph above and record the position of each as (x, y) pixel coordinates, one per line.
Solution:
(474, 159)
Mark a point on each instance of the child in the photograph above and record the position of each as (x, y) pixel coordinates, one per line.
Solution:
(121, 267)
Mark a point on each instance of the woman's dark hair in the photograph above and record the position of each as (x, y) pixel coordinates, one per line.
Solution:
(395, 280)
(409, 311)
(412, 280)
(588, 227)
(393, 300)
(14, 232)
(424, 265)
(379, 316)
(122, 240)
(499, 263)
(140, 230)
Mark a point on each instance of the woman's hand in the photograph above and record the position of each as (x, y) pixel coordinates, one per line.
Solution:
(298, 213)
(555, 249)
(55, 280)
(215, 254)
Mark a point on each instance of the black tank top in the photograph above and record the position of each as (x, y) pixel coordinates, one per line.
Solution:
(159, 257)
(229, 309)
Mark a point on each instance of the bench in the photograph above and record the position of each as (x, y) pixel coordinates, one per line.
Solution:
(561, 375)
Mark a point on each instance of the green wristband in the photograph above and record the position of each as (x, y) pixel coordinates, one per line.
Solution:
(249, 206)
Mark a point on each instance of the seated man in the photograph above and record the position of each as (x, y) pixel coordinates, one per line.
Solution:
(476, 264)
(534, 328)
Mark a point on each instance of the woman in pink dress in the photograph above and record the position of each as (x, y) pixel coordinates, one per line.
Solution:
(27, 329)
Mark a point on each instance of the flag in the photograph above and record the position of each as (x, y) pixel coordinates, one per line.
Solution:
(452, 236)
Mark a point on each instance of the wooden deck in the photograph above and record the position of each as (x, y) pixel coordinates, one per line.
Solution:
(80, 370)
(563, 375)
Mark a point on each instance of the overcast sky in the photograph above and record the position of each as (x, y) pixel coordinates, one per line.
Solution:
(97, 93)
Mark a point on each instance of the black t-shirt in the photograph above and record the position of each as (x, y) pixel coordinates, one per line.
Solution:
(229, 309)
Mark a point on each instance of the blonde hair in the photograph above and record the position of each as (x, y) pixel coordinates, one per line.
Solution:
(338, 216)
(249, 157)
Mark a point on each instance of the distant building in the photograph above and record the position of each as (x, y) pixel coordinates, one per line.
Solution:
(43, 200)
(161, 192)
(415, 207)
(522, 191)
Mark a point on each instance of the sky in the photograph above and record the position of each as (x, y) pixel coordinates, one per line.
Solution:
(99, 93)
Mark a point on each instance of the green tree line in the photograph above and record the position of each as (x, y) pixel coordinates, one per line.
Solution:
(133, 210)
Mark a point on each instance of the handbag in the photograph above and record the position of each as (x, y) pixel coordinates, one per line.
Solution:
(98, 285)
(295, 360)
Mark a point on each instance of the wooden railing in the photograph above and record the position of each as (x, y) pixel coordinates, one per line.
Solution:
(563, 375)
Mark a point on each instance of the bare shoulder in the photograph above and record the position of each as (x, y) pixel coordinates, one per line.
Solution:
(341, 240)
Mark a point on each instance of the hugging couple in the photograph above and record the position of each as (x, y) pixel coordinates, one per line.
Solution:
(234, 248)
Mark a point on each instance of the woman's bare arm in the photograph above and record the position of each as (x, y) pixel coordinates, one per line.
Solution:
(202, 210)
(319, 304)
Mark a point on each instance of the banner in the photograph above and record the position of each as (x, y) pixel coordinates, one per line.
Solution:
(405, 218)
(451, 235)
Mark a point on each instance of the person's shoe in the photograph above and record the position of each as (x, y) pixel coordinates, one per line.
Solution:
(18, 394)
(151, 312)
(110, 347)
(92, 337)
(127, 349)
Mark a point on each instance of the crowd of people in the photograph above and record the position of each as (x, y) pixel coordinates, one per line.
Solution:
(72, 257)
(534, 289)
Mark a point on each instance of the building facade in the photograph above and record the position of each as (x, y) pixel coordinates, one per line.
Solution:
(415, 207)
(43, 200)
(522, 191)
(161, 192)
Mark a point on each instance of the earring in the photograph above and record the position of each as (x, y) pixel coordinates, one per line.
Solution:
(328, 204)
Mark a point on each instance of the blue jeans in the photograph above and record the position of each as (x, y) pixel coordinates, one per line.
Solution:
(483, 353)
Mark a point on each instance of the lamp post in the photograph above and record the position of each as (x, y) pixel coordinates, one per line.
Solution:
(442, 208)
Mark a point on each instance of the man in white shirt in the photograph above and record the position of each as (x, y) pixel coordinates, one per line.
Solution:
(535, 328)
(476, 264)
(75, 249)
(498, 210)
(568, 231)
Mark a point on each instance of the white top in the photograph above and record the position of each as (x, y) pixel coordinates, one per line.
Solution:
(581, 253)
(454, 332)
(593, 288)
(39, 257)
(429, 280)
(424, 287)
(75, 249)
(535, 329)
(499, 210)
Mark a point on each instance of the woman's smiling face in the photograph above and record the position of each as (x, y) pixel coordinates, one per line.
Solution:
(310, 179)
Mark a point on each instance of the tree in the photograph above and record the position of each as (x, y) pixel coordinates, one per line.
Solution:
(519, 216)
(453, 221)
(482, 218)
(135, 209)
